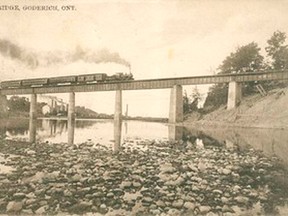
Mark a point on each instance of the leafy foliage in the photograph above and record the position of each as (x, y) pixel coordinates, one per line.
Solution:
(245, 59)
(190, 103)
(16, 103)
(277, 50)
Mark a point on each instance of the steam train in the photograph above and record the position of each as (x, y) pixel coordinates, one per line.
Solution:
(67, 80)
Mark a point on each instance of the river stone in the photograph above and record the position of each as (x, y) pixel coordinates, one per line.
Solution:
(76, 178)
(174, 212)
(14, 206)
(193, 167)
(224, 200)
(125, 184)
(217, 191)
(155, 211)
(103, 206)
(167, 168)
(27, 212)
(204, 209)
(226, 208)
(30, 152)
(179, 181)
(160, 203)
(19, 196)
(189, 205)
(226, 171)
(147, 200)
(136, 184)
(110, 195)
(241, 199)
(41, 210)
(178, 203)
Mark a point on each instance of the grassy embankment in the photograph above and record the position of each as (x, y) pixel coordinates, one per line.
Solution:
(256, 111)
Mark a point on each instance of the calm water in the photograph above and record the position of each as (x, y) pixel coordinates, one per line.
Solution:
(271, 142)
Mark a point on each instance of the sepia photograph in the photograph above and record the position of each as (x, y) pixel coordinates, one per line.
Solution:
(144, 107)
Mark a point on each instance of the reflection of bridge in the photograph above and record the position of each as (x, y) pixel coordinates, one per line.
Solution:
(175, 84)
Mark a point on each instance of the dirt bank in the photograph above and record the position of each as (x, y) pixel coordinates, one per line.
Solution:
(270, 111)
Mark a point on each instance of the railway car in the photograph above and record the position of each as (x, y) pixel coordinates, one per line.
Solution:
(34, 82)
(11, 84)
(62, 80)
(100, 77)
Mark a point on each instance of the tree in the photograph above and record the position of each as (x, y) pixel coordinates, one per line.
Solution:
(245, 59)
(186, 103)
(16, 103)
(277, 50)
(217, 96)
(190, 103)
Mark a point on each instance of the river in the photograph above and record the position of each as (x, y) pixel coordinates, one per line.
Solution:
(271, 142)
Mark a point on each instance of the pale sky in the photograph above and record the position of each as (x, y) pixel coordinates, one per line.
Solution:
(160, 39)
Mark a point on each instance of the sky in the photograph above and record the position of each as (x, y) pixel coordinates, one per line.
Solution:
(159, 39)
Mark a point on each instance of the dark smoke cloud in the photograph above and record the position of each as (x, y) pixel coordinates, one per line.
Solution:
(102, 56)
(9, 49)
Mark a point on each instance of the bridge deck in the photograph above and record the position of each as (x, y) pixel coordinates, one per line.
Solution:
(149, 84)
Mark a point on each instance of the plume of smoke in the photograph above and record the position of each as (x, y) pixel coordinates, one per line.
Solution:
(9, 49)
(102, 56)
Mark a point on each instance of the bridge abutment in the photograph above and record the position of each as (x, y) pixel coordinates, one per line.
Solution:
(117, 120)
(71, 118)
(33, 118)
(234, 94)
(176, 104)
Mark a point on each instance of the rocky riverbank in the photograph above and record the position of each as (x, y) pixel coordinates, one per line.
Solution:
(150, 178)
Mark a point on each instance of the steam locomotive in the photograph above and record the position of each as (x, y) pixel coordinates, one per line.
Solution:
(67, 80)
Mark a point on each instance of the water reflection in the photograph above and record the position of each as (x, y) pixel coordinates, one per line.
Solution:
(271, 142)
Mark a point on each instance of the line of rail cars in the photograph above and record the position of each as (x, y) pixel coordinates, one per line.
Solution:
(67, 80)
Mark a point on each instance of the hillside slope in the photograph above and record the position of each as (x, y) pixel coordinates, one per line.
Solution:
(269, 111)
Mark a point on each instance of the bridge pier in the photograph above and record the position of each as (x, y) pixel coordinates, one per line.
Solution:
(175, 132)
(176, 104)
(234, 95)
(33, 118)
(117, 120)
(71, 118)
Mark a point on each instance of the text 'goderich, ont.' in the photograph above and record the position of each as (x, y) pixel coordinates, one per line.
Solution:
(37, 8)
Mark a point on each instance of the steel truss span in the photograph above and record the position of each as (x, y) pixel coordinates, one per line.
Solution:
(149, 84)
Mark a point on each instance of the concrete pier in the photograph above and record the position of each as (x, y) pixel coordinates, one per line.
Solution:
(117, 120)
(33, 118)
(234, 95)
(176, 104)
(71, 118)
(175, 132)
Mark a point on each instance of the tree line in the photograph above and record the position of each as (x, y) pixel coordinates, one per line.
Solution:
(245, 59)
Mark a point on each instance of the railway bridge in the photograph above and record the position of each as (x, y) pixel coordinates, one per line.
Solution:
(175, 84)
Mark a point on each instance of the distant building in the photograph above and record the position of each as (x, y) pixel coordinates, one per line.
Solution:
(53, 105)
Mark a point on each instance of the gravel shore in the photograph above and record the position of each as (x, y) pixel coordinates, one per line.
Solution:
(144, 178)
